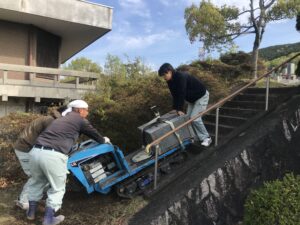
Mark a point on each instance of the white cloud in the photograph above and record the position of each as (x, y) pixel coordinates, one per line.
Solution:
(148, 26)
(171, 2)
(139, 42)
(122, 26)
(136, 7)
(165, 2)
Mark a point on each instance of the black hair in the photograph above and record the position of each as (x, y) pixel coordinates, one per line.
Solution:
(165, 68)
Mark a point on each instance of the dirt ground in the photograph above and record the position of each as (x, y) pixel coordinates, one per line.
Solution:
(78, 207)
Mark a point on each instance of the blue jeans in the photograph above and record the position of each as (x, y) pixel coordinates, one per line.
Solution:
(193, 110)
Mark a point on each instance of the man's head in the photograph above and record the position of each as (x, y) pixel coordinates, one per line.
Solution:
(79, 106)
(166, 70)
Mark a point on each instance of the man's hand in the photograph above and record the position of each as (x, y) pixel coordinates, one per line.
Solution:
(106, 140)
(180, 113)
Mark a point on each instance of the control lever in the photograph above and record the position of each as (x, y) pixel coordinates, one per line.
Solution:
(155, 110)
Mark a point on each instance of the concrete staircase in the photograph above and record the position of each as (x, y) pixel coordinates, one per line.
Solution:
(240, 112)
(235, 117)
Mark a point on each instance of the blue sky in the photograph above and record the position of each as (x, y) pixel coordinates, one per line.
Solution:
(154, 30)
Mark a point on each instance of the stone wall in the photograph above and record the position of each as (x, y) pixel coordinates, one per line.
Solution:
(266, 151)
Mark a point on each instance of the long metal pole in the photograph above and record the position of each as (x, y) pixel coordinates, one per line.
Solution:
(156, 166)
(217, 126)
(267, 92)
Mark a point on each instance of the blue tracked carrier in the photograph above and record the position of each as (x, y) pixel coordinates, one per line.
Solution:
(103, 167)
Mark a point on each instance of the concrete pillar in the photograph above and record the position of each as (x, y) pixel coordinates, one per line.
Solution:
(37, 99)
(4, 98)
(291, 68)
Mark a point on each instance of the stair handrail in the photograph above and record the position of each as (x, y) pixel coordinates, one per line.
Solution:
(210, 108)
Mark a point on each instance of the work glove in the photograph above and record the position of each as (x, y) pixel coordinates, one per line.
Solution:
(106, 140)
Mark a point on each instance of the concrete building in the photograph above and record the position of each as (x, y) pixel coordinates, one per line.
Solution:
(36, 37)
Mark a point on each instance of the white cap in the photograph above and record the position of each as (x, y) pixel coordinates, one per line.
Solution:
(80, 104)
(75, 104)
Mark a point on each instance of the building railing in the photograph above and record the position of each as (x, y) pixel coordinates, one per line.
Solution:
(215, 106)
(37, 77)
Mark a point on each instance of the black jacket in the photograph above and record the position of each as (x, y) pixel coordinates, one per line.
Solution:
(62, 133)
(185, 87)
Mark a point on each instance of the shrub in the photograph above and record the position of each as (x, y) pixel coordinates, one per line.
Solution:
(121, 105)
(126, 108)
(276, 203)
(236, 58)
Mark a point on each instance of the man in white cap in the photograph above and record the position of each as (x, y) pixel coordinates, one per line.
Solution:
(71, 105)
(49, 157)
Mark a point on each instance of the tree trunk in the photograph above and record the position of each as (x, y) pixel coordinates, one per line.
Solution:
(259, 28)
(254, 61)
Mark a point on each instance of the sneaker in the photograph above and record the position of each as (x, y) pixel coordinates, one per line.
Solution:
(23, 206)
(206, 142)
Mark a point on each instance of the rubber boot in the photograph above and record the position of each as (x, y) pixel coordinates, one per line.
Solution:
(32, 209)
(50, 219)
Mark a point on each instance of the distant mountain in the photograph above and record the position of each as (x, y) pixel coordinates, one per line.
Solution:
(277, 51)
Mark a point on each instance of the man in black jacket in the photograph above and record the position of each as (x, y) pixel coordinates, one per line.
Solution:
(49, 156)
(185, 87)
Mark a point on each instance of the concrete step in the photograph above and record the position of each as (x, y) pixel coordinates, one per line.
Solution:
(254, 97)
(223, 129)
(238, 112)
(282, 90)
(225, 119)
(244, 108)
(220, 137)
(245, 104)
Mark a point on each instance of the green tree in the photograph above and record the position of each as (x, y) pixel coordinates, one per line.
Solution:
(83, 64)
(217, 27)
(136, 68)
(114, 67)
(118, 73)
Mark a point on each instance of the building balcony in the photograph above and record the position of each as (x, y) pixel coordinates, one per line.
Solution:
(44, 83)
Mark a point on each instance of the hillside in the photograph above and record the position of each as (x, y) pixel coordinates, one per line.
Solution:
(277, 51)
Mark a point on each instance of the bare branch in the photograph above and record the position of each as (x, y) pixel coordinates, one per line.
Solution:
(237, 34)
(261, 34)
(252, 16)
(270, 4)
(243, 26)
(247, 11)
